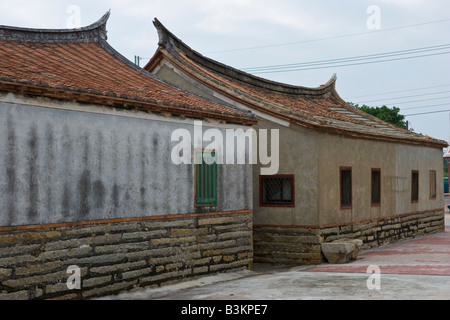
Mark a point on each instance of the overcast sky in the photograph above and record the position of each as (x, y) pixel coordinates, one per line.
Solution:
(260, 33)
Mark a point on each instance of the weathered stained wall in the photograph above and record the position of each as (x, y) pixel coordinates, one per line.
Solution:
(298, 155)
(294, 234)
(396, 162)
(422, 159)
(95, 187)
(59, 165)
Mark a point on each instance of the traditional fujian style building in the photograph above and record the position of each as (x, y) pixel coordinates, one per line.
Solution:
(91, 201)
(342, 173)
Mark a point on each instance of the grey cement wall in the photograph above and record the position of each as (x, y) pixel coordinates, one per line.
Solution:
(396, 162)
(422, 159)
(60, 165)
(298, 155)
(294, 235)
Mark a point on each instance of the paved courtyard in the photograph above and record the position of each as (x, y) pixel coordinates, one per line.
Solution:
(416, 269)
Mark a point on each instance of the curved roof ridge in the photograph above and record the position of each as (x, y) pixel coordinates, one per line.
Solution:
(170, 42)
(91, 33)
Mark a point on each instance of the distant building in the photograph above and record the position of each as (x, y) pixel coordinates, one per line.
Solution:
(342, 173)
(87, 179)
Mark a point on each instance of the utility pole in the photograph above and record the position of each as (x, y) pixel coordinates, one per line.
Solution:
(137, 60)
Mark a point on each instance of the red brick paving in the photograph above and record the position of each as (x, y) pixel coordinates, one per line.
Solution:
(428, 255)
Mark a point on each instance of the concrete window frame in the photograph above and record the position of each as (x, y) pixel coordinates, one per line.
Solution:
(213, 194)
(375, 187)
(415, 186)
(345, 188)
(433, 192)
(264, 179)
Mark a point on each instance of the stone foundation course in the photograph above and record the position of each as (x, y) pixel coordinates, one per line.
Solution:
(379, 232)
(107, 258)
(302, 245)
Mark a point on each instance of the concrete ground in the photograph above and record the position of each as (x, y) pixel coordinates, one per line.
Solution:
(416, 269)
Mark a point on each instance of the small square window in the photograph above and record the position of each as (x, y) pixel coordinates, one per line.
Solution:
(276, 191)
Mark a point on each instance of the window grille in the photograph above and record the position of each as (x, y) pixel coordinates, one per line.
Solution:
(277, 190)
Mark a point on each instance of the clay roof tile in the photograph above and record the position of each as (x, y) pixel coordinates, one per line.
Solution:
(78, 61)
(319, 108)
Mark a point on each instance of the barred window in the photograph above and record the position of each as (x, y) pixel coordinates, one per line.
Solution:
(376, 187)
(432, 184)
(414, 186)
(346, 187)
(277, 191)
(206, 179)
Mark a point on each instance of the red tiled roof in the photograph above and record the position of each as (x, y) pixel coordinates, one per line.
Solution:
(80, 65)
(317, 108)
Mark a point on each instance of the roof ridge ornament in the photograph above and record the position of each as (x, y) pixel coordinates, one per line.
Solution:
(94, 32)
(168, 41)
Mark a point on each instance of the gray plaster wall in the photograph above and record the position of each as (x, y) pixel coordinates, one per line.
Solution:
(298, 156)
(396, 161)
(314, 157)
(422, 159)
(60, 165)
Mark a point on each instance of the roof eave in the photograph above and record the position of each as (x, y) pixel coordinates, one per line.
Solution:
(162, 54)
(120, 102)
(171, 43)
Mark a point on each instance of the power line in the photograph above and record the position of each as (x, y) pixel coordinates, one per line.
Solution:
(427, 106)
(343, 61)
(399, 91)
(417, 114)
(329, 38)
(351, 64)
(411, 96)
(349, 59)
(422, 100)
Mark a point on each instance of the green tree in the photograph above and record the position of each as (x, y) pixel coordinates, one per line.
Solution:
(384, 113)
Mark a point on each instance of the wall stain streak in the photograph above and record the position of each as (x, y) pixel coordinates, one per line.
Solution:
(115, 193)
(33, 174)
(99, 194)
(84, 183)
(115, 196)
(128, 203)
(10, 170)
(144, 151)
(50, 166)
(65, 204)
(66, 143)
(98, 186)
